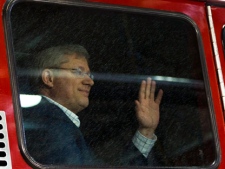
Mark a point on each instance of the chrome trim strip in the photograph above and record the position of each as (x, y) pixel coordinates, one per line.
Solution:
(216, 55)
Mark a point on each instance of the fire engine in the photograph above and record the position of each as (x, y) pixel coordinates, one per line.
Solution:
(178, 43)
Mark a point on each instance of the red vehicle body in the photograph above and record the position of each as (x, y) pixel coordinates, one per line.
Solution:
(198, 11)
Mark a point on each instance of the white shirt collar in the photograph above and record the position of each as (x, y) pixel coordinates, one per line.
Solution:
(72, 116)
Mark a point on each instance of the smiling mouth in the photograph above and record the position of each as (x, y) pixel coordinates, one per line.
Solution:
(85, 92)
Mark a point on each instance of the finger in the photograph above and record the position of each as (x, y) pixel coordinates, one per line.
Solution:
(148, 88)
(137, 105)
(152, 91)
(159, 96)
(142, 90)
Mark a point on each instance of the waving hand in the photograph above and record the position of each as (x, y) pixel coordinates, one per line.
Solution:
(147, 107)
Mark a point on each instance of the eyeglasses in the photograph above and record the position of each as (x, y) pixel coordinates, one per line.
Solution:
(77, 72)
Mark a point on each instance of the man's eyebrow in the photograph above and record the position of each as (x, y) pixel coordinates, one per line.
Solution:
(83, 69)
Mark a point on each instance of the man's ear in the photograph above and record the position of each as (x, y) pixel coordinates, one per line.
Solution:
(47, 77)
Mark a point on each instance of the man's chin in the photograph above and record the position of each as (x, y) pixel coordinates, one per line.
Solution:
(84, 104)
(79, 106)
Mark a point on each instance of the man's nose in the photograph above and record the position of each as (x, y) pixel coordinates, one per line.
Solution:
(88, 80)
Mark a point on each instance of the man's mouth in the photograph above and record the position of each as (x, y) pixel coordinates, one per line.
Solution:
(85, 92)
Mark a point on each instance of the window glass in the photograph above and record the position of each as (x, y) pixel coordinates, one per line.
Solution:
(125, 46)
(223, 37)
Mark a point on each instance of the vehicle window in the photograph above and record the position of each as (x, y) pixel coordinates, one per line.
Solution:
(223, 37)
(125, 46)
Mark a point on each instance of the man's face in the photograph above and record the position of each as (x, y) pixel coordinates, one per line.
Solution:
(69, 89)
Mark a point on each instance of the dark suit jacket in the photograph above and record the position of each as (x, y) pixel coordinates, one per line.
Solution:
(52, 138)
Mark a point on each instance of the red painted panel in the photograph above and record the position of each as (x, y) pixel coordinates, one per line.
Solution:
(218, 25)
(195, 10)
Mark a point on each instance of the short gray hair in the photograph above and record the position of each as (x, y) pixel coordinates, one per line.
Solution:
(54, 57)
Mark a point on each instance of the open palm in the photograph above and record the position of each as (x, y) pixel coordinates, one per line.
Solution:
(147, 107)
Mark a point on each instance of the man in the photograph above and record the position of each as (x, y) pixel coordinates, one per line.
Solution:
(64, 81)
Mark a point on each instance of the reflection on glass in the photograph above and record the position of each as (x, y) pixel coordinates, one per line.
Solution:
(29, 100)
